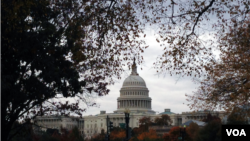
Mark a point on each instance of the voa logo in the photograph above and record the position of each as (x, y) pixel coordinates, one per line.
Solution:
(236, 132)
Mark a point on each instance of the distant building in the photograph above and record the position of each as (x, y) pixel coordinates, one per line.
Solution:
(57, 122)
(200, 115)
(134, 95)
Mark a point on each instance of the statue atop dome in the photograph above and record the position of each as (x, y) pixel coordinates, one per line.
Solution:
(134, 68)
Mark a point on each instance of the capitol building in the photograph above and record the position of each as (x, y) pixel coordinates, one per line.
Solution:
(135, 96)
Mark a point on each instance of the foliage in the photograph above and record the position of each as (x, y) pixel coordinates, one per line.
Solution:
(26, 133)
(143, 132)
(23, 132)
(144, 124)
(192, 130)
(174, 133)
(98, 137)
(65, 135)
(117, 135)
(164, 120)
(210, 118)
(62, 49)
(47, 137)
(76, 135)
(136, 131)
(210, 132)
(150, 135)
(188, 30)
(227, 85)
(238, 116)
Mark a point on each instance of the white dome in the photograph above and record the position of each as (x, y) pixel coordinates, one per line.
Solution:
(134, 94)
(134, 81)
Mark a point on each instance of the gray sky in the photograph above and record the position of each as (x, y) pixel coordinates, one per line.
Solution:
(166, 92)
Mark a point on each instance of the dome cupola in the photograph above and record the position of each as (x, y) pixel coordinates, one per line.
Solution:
(134, 80)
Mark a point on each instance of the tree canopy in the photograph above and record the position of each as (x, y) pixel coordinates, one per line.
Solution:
(164, 120)
(228, 85)
(188, 31)
(191, 34)
(144, 124)
(210, 132)
(238, 116)
(74, 48)
(61, 49)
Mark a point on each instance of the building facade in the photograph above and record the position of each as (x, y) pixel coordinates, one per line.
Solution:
(58, 122)
(134, 95)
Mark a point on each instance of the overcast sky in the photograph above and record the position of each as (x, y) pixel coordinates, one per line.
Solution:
(166, 92)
